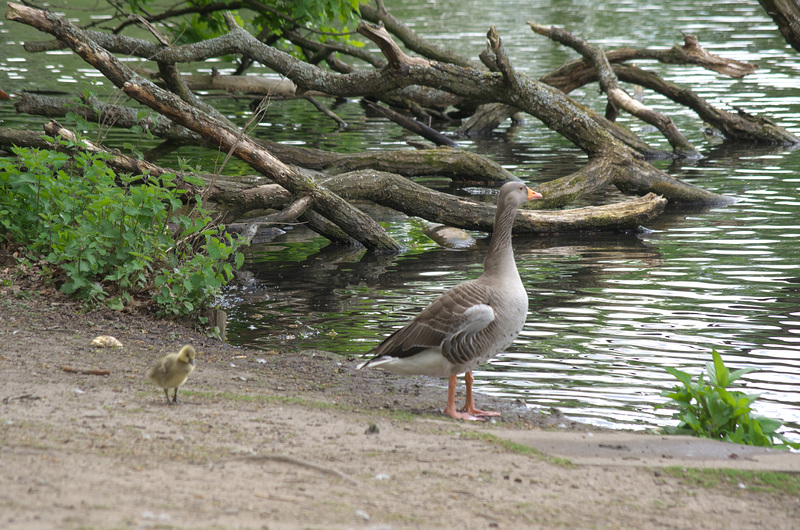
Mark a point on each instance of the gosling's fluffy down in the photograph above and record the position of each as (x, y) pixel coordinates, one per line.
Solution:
(172, 370)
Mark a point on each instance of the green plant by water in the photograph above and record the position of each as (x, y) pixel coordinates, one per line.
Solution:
(113, 239)
(710, 410)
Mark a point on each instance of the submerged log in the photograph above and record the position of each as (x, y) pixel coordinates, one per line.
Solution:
(404, 195)
(415, 200)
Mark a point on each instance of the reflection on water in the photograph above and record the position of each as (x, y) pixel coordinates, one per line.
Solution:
(608, 312)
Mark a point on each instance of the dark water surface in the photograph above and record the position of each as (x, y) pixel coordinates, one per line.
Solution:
(607, 312)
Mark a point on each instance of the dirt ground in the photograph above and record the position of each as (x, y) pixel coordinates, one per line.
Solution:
(273, 440)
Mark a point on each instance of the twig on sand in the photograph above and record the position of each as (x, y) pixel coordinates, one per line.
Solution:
(295, 461)
(21, 398)
(72, 370)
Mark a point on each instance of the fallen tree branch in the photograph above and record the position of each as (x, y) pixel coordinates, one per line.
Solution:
(485, 120)
(411, 40)
(458, 165)
(326, 111)
(254, 85)
(120, 163)
(618, 98)
(734, 126)
(393, 191)
(406, 196)
(397, 58)
(355, 223)
(412, 125)
(291, 212)
(690, 53)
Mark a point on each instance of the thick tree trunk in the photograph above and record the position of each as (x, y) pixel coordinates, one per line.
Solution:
(786, 14)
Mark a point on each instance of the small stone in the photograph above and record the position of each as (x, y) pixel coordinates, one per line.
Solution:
(106, 341)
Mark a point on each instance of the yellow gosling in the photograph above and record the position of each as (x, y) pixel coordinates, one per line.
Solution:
(172, 370)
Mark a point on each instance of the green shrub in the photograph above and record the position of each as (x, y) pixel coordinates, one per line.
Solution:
(710, 410)
(109, 238)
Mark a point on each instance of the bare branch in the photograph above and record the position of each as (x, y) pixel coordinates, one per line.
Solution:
(396, 57)
(616, 95)
(411, 40)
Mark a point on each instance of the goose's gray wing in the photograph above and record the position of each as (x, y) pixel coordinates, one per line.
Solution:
(451, 323)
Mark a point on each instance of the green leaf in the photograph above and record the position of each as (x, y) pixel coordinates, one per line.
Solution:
(717, 371)
(115, 304)
(683, 377)
(736, 374)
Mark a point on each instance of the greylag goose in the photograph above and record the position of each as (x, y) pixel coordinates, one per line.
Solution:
(468, 324)
(172, 370)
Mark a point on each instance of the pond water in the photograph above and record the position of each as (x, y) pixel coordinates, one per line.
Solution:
(607, 311)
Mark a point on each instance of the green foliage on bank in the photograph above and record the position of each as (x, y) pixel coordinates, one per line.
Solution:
(710, 410)
(113, 239)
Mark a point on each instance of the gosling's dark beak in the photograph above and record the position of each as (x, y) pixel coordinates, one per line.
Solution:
(191, 361)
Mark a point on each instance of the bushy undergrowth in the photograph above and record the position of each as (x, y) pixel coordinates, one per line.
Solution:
(710, 410)
(111, 239)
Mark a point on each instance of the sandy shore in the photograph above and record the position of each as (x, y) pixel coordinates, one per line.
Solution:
(269, 439)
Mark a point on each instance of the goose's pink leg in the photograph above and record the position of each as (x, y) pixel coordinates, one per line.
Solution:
(469, 404)
(450, 409)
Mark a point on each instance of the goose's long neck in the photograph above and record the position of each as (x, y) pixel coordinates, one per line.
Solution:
(500, 256)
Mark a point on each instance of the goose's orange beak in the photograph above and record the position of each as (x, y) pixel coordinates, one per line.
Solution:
(533, 195)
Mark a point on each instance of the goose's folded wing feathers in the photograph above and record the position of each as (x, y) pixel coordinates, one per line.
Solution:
(454, 317)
